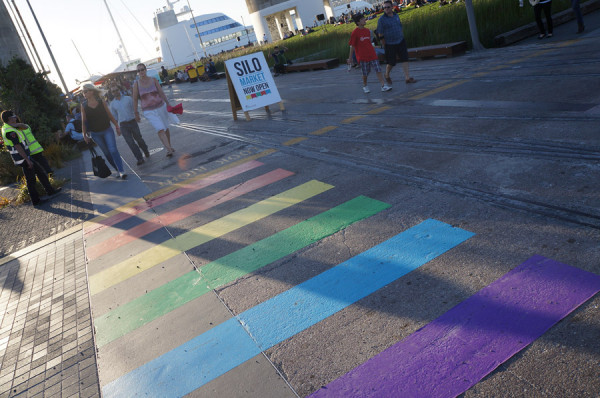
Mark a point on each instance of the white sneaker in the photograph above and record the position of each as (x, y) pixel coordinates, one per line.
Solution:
(118, 175)
(366, 89)
(385, 87)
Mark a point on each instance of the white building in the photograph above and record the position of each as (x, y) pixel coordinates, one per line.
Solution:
(272, 19)
(181, 38)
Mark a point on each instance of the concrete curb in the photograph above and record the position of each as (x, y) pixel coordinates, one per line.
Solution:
(531, 29)
(40, 244)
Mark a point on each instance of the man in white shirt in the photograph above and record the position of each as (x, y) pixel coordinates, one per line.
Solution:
(122, 109)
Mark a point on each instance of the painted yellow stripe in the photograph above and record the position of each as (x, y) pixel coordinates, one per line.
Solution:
(294, 141)
(535, 54)
(438, 90)
(324, 130)
(379, 110)
(170, 188)
(198, 236)
(568, 43)
(479, 74)
(352, 119)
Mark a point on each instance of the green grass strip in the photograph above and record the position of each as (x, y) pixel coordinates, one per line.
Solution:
(192, 285)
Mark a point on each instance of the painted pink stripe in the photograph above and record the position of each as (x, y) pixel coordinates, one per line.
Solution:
(185, 211)
(176, 193)
(455, 351)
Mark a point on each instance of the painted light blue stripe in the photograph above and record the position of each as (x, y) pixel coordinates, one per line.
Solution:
(333, 290)
(228, 345)
(188, 366)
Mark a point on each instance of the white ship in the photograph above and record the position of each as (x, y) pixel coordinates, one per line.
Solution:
(183, 36)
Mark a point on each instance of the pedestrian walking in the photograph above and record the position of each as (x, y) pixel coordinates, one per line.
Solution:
(390, 32)
(278, 54)
(95, 122)
(578, 16)
(154, 106)
(361, 46)
(546, 7)
(122, 109)
(164, 74)
(16, 144)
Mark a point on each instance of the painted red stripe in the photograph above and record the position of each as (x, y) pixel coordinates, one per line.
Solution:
(185, 211)
(176, 193)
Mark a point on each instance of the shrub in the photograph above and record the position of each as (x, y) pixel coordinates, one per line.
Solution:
(39, 104)
(23, 196)
(9, 173)
(36, 101)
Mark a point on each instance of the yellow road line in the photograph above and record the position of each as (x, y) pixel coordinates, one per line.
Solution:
(294, 141)
(324, 130)
(379, 110)
(352, 119)
(439, 89)
(568, 42)
(205, 233)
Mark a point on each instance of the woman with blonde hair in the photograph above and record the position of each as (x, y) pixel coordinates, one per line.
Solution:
(154, 106)
(95, 122)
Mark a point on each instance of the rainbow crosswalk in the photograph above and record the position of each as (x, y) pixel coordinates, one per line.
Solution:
(481, 332)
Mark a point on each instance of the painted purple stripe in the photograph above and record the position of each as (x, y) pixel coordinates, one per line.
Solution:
(455, 351)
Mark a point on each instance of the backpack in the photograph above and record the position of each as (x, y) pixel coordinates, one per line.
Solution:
(77, 125)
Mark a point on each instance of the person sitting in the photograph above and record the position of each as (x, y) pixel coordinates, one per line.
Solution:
(73, 132)
(211, 70)
(179, 78)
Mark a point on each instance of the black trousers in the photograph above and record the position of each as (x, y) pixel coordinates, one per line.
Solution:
(130, 130)
(537, 11)
(41, 159)
(30, 174)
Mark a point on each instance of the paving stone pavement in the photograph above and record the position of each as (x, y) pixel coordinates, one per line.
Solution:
(70, 208)
(46, 338)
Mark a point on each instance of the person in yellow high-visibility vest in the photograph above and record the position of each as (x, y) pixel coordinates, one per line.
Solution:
(35, 148)
(15, 142)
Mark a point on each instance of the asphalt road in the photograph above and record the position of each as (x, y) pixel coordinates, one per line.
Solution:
(500, 146)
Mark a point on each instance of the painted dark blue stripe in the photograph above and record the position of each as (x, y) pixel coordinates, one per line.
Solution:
(229, 344)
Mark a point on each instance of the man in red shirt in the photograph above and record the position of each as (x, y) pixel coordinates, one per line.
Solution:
(360, 44)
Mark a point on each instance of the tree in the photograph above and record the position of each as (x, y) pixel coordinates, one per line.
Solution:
(38, 102)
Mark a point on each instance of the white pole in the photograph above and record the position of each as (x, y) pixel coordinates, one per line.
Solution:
(49, 50)
(477, 46)
(118, 33)
(78, 53)
(197, 31)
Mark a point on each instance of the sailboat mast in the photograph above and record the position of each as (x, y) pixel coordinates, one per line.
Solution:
(118, 33)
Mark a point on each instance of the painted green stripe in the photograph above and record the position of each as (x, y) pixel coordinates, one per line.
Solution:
(203, 234)
(192, 285)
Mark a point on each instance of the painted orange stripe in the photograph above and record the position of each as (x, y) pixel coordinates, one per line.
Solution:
(182, 212)
(171, 195)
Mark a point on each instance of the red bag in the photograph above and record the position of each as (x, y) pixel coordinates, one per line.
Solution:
(177, 109)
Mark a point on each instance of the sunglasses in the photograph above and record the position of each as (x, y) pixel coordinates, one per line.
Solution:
(141, 70)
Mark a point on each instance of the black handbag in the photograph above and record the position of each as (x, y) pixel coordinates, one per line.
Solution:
(99, 165)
